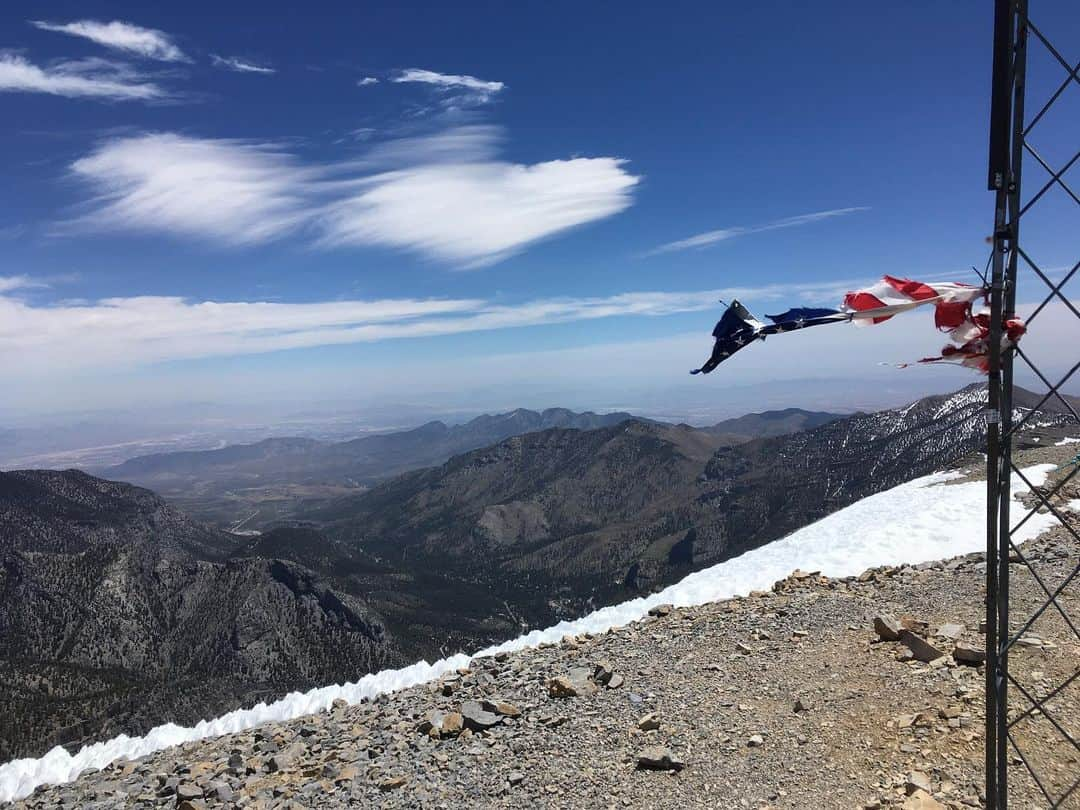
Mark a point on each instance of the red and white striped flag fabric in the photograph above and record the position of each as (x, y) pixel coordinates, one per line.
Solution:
(955, 312)
(890, 296)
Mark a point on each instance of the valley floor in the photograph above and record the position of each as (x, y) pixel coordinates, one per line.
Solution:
(786, 699)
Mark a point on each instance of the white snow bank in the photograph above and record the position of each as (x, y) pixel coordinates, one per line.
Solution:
(925, 519)
(1067, 440)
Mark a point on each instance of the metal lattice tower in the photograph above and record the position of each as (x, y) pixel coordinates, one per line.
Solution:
(1016, 711)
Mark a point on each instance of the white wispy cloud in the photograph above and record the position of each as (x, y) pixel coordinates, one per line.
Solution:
(456, 92)
(233, 192)
(10, 283)
(367, 81)
(463, 144)
(120, 332)
(446, 196)
(447, 80)
(148, 43)
(707, 238)
(239, 65)
(83, 78)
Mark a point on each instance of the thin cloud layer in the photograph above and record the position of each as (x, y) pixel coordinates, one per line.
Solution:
(83, 78)
(447, 80)
(148, 43)
(367, 81)
(446, 197)
(455, 93)
(703, 240)
(120, 332)
(239, 65)
(9, 283)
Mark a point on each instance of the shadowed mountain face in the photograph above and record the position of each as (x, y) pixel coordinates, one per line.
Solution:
(514, 505)
(117, 612)
(770, 487)
(46, 511)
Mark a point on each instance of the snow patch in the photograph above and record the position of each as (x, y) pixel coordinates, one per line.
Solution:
(1065, 441)
(929, 518)
(906, 409)
(960, 400)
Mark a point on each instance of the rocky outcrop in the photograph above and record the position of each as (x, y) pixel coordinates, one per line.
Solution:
(117, 614)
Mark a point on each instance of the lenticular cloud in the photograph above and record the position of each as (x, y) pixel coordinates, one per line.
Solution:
(445, 196)
(476, 214)
(930, 518)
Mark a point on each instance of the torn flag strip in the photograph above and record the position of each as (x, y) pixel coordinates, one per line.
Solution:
(955, 312)
(738, 328)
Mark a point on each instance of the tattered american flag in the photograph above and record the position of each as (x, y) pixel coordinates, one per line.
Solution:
(961, 310)
(890, 296)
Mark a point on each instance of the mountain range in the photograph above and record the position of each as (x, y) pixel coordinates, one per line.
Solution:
(252, 487)
(639, 503)
(360, 461)
(118, 612)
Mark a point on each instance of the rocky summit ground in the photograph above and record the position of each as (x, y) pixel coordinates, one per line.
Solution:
(794, 698)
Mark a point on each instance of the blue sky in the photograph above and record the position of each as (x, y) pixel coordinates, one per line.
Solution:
(425, 199)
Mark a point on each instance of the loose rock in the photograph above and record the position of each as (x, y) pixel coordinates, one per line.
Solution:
(649, 722)
(393, 783)
(922, 649)
(921, 800)
(967, 654)
(188, 791)
(477, 717)
(950, 631)
(501, 707)
(917, 780)
(655, 758)
(887, 627)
